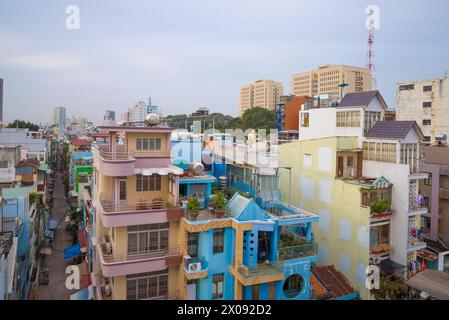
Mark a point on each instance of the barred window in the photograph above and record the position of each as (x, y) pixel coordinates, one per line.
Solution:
(150, 285)
(348, 119)
(217, 286)
(148, 144)
(4, 164)
(148, 183)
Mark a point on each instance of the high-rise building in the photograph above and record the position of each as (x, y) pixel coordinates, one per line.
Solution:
(426, 102)
(1, 102)
(327, 78)
(138, 112)
(109, 118)
(260, 94)
(59, 119)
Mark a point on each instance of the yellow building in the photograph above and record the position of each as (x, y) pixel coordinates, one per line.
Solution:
(325, 80)
(260, 94)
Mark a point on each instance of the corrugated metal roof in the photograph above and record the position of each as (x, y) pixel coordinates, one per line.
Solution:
(333, 280)
(357, 99)
(392, 129)
(435, 283)
(237, 205)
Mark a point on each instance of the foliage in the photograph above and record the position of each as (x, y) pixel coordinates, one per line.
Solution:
(33, 197)
(219, 200)
(193, 204)
(23, 125)
(391, 288)
(290, 241)
(258, 118)
(380, 206)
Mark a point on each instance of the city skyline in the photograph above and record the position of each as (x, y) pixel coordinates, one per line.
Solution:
(198, 53)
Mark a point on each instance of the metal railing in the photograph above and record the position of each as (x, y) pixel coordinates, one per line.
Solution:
(139, 256)
(122, 155)
(155, 205)
(297, 252)
(262, 269)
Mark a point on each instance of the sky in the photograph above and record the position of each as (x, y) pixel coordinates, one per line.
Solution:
(191, 53)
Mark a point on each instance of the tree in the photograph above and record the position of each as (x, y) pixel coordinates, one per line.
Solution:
(23, 125)
(258, 118)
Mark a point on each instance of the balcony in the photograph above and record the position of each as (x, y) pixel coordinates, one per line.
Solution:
(205, 215)
(298, 252)
(195, 268)
(135, 213)
(116, 163)
(415, 209)
(260, 273)
(415, 244)
(286, 214)
(113, 265)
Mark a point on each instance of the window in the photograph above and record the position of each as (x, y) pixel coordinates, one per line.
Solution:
(150, 285)
(348, 119)
(305, 119)
(426, 122)
(350, 161)
(427, 104)
(427, 88)
(148, 144)
(426, 139)
(148, 237)
(218, 240)
(407, 87)
(217, 286)
(148, 183)
(4, 164)
(255, 292)
(428, 181)
(379, 151)
(371, 117)
(192, 244)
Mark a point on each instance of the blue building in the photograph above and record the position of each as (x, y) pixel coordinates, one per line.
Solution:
(251, 253)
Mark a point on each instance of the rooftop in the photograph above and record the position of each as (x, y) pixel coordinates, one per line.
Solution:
(357, 99)
(393, 129)
(333, 280)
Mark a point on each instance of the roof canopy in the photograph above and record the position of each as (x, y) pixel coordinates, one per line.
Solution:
(435, 283)
(394, 130)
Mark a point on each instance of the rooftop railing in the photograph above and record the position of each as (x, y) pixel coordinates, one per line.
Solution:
(261, 270)
(155, 205)
(297, 252)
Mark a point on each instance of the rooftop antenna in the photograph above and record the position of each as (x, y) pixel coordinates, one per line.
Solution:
(372, 23)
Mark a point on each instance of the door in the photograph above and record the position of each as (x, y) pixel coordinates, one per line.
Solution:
(340, 167)
(121, 190)
(272, 291)
(191, 290)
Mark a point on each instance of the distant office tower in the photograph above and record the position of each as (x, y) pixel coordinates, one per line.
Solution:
(326, 79)
(426, 102)
(59, 119)
(261, 94)
(109, 118)
(1, 102)
(139, 110)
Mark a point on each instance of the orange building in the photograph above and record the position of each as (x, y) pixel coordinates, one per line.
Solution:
(287, 112)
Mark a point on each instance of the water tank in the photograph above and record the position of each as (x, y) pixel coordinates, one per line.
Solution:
(152, 119)
(223, 182)
(197, 168)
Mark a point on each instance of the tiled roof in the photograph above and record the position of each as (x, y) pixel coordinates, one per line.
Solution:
(392, 129)
(80, 142)
(357, 99)
(333, 280)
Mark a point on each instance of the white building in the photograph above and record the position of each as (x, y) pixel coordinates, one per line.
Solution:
(427, 103)
(138, 111)
(33, 146)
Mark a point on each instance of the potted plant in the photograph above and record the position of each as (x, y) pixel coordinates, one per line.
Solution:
(157, 203)
(380, 208)
(193, 207)
(219, 204)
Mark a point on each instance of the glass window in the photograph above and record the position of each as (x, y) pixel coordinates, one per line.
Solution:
(427, 104)
(217, 286)
(148, 183)
(150, 285)
(218, 240)
(427, 88)
(192, 244)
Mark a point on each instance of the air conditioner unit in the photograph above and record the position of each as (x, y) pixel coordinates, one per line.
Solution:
(195, 266)
(107, 290)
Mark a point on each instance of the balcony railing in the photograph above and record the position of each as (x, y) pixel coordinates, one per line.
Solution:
(297, 252)
(206, 214)
(139, 256)
(122, 155)
(261, 270)
(155, 205)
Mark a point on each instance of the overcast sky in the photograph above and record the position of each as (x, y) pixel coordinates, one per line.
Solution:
(191, 53)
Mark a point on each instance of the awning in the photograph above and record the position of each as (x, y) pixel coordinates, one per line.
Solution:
(84, 294)
(72, 251)
(160, 171)
(432, 282)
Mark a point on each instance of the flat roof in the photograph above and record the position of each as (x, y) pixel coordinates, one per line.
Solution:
(135, 129)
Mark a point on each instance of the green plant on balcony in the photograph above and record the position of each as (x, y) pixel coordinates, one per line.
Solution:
(142, 205)
(290, 241)
(34, 197)
(219, 204)
(193, 207)
(380, 207)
